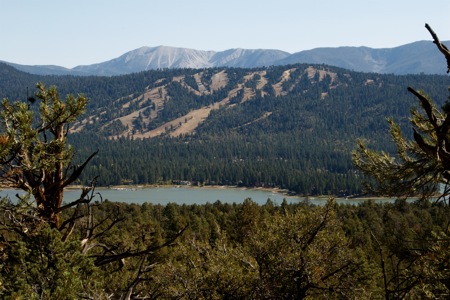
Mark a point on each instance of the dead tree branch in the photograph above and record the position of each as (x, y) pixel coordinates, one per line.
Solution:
(444, 50)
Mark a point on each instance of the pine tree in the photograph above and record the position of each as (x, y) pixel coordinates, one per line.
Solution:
(34, 154)
(422, 164)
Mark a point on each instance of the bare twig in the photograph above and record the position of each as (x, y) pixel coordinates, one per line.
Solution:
(444, 50)
(101, 260)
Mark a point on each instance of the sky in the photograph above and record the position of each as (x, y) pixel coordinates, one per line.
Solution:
(83, 32)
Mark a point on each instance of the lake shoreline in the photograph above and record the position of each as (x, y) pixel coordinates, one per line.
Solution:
(284, 192)
(206, 187)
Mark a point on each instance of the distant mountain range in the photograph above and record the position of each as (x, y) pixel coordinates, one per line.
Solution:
(413, 58)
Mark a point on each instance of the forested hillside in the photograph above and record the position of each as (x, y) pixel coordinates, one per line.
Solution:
(288, 126)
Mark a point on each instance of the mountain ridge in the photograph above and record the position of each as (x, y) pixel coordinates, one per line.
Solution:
(414, 58)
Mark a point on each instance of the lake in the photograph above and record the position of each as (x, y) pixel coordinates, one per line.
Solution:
(190, 195)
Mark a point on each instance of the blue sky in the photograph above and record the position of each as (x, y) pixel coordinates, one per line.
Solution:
(70, 33)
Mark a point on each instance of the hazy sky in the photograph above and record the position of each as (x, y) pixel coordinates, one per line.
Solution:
(70, 33)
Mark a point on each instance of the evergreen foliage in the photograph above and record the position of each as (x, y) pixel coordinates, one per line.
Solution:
(34, 155)
(244, 251)
(422, 165)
